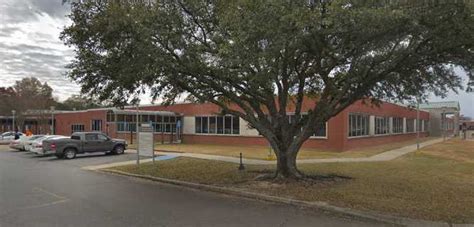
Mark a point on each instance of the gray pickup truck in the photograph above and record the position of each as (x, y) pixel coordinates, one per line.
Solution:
(84, 142)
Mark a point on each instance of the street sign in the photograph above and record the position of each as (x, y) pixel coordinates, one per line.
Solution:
(145, 140)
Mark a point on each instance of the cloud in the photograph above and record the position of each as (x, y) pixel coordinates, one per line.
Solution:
(30, 45)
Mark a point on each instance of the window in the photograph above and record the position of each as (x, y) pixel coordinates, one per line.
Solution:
(212, 125)
(235, 125)
(382, 125)
(217, 125)
(220, 125)
(96, 125)
(102, 137)
(358, 124)
(227, 124)
(397, 125)
(157, 127)
(126, 126)
(91, 137)
(419, 125)
(410, 125)
(426, 126)
(205, 125)
(77, 128)
(320, 130)
(198, 125)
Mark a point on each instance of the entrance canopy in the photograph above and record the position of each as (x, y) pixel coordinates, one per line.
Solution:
(125, 120)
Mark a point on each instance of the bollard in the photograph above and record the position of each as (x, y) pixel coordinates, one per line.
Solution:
(241, 166)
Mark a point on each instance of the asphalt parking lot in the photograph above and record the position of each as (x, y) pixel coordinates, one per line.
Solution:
(81, 160)
(45, 191)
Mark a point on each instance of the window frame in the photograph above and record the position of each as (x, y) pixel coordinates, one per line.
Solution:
(384, 122)
(313, 136)
(366, 118)
(412, 120)
(394, 120)
(94, 124)
(219, 120)
(77, 128)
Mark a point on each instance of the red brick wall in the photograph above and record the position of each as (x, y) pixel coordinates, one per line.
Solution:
(384, 110)
(65, 120)
(337, 126)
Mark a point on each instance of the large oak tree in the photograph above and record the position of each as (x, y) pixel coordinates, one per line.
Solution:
(254, 59)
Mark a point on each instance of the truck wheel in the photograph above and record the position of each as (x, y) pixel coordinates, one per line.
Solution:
(70, 153)
(118, 150)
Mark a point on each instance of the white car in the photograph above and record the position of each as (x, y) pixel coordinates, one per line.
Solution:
(29, 140)
(37, 144)
(7, 137)
(20, 144)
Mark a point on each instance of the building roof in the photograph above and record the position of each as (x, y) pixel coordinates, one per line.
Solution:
(439, 105)
(143, 112)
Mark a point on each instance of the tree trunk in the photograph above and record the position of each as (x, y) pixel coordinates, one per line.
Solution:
(286, 165)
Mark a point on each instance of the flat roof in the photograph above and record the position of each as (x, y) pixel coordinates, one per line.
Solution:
(144, 112)
(439, 105)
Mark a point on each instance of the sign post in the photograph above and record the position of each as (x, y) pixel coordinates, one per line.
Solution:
(146, 141)
(136, 133)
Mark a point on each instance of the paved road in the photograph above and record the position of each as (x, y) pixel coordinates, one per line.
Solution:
(49, 192)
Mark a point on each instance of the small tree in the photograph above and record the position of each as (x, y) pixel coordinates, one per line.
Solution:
(31, 94)
(257, 59)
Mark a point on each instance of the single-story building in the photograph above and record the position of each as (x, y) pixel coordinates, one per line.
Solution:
(359, 125)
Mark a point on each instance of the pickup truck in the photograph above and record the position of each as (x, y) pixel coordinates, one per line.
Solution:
(83, 142)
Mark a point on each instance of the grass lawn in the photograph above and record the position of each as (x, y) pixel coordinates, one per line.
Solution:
(436, 183)
(262, 152)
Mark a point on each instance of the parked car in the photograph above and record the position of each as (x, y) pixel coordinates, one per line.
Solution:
(36, 146)
(84, 142)
(20, 144)
(7, 137)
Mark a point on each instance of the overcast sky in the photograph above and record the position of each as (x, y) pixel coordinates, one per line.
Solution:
(29, 46)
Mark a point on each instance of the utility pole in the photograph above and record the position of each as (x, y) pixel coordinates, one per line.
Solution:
(443, 120)
(136, 133)
(418, 124)
(13, 122)
(52, 120)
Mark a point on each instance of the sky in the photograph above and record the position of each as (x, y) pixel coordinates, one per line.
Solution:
(30, 46)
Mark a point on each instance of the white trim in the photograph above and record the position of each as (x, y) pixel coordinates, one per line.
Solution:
(358, 137)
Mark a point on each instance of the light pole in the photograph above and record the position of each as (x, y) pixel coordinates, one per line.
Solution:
(417, 125)
(13, 121)
(136, 133)
(443, 120)
(52, 120)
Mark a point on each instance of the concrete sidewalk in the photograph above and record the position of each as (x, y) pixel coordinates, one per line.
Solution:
(385, 156)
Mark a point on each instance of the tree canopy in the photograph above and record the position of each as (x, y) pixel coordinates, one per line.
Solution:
(256, 59)
(78, 102)
(27, 93)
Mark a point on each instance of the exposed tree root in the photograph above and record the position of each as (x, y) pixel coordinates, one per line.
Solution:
(300, 177)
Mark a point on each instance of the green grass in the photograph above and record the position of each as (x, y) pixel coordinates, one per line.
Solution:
(436, 183)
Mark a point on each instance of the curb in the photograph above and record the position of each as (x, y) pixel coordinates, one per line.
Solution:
(390, 219)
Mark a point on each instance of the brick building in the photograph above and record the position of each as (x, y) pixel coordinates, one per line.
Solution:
(359, 125)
